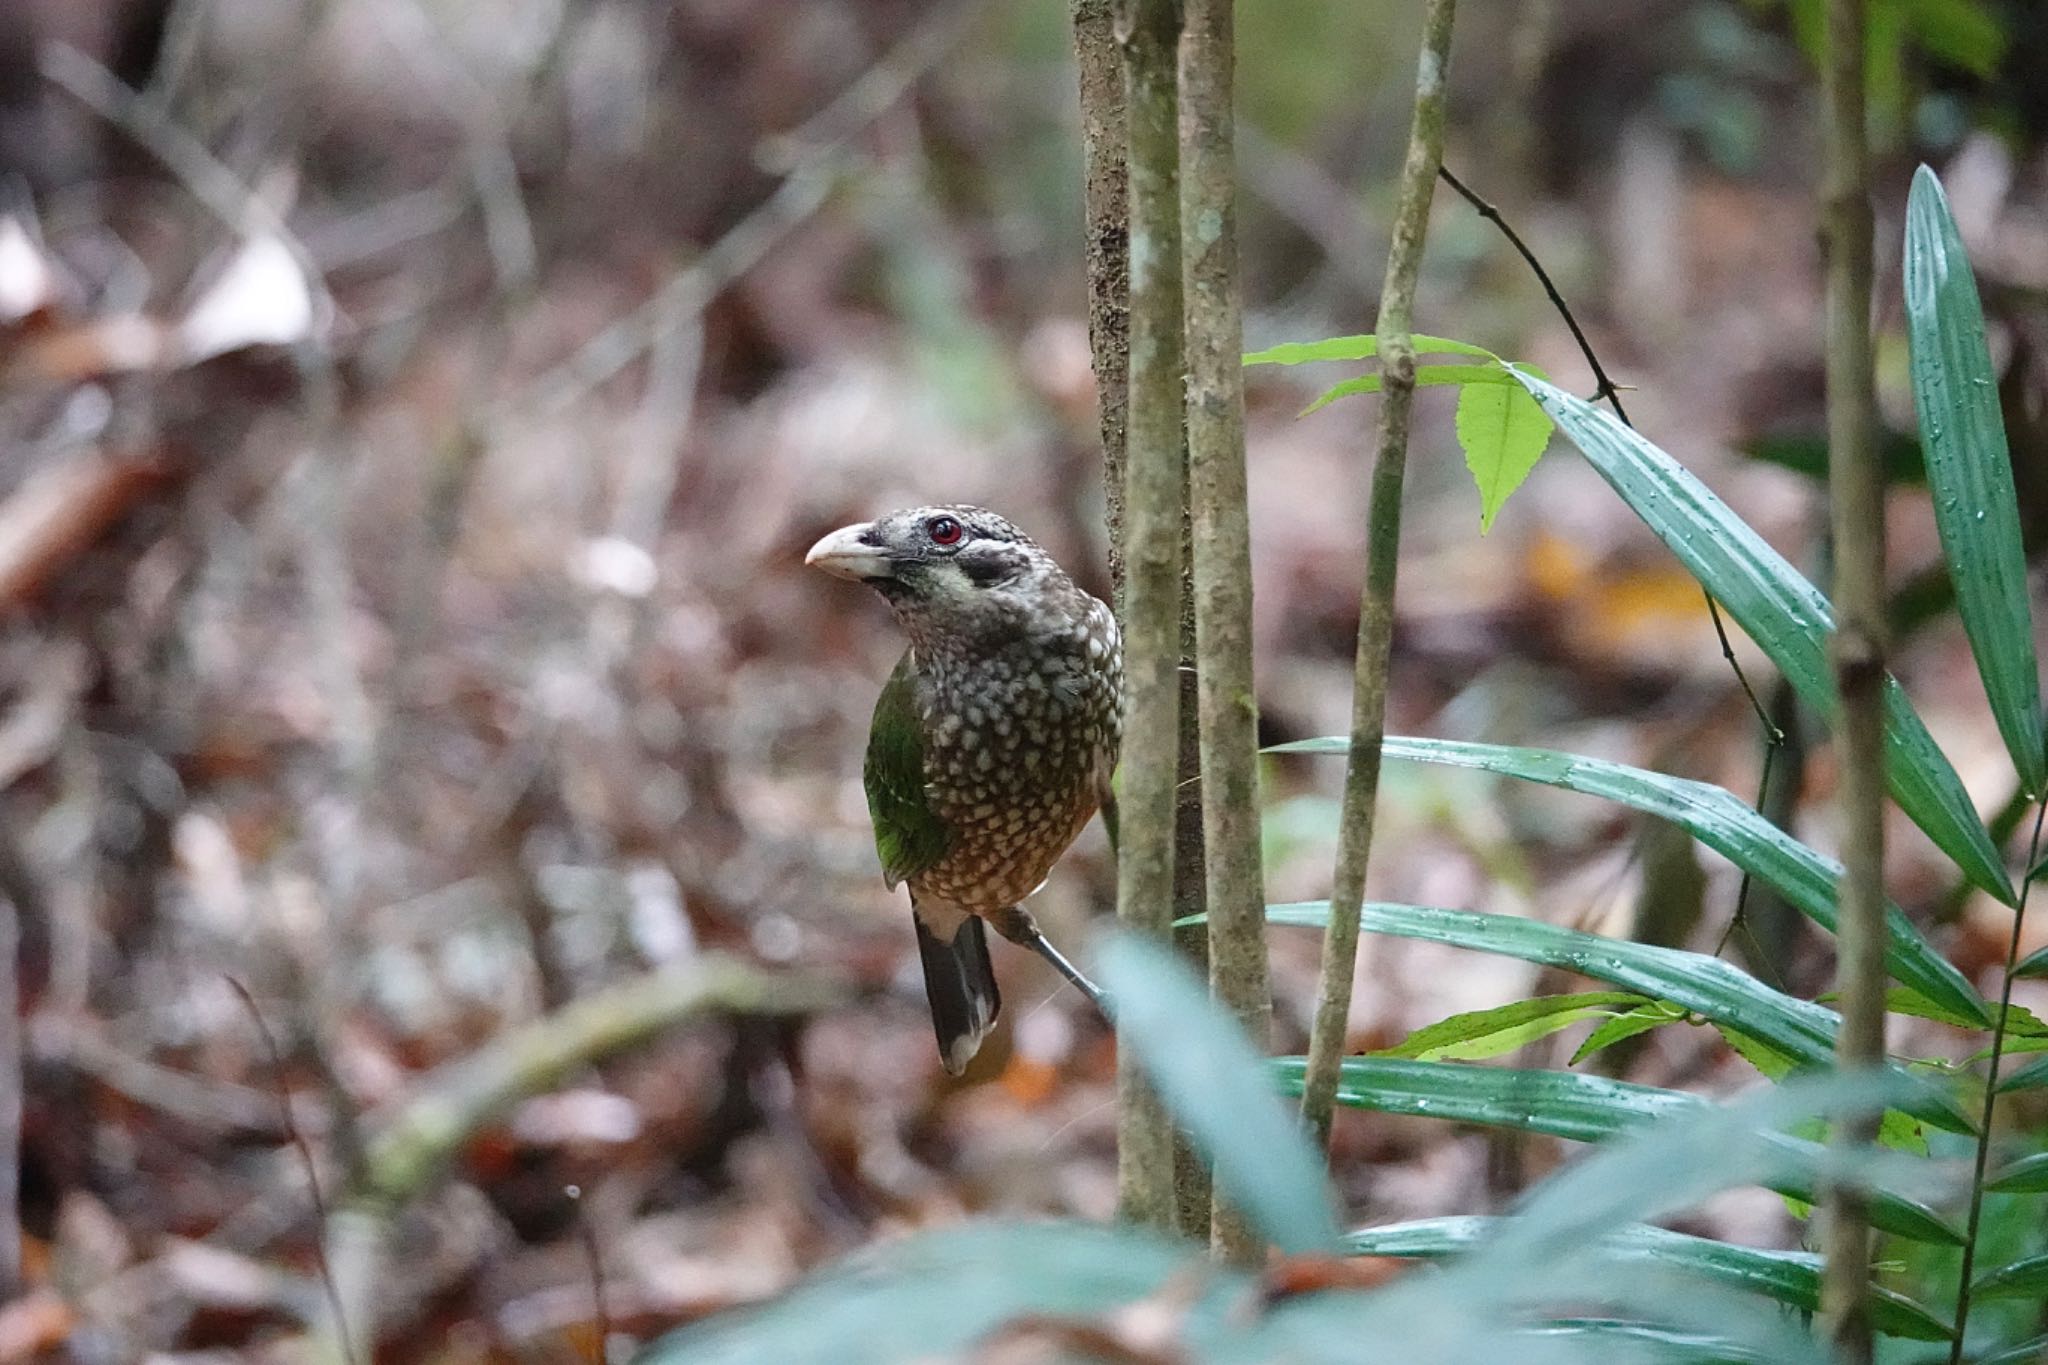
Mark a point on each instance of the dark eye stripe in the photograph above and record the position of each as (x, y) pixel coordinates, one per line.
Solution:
(984, 570)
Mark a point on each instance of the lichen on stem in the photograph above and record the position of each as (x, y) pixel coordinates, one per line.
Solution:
(1226, 701)
(1148, 33)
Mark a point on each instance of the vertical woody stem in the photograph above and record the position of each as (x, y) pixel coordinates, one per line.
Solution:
(1105, 133)
(1856, 499)
(1376, 603)
(1222, 543)
(1148, 31)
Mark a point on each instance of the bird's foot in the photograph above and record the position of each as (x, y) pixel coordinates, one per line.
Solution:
(1043, 947)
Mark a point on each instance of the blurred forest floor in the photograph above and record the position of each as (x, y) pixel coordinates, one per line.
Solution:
(415, 414)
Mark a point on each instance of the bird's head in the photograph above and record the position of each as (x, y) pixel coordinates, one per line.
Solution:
(950, 566)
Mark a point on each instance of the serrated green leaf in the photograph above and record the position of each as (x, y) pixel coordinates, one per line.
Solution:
(1809, 882)
(1479, 1034)
(2028, 1175)
(1707, 986)
(1769, 1061)
(1789, 1277)
(1205, 1070)
(1426, 376)
(1969, 472)
(2020, 1280)
(1902, 1133)
(2014, 1043)
(1786, 616)
(1503, 432)
(1363, 347)
(1568, 1105)
(1905, 1000)
(1623, 1027)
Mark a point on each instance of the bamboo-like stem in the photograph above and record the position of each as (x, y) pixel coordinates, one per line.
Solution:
(1105, 133)
(1856, 503)
(1148, 32)
(1222, 544)
(1383, 544)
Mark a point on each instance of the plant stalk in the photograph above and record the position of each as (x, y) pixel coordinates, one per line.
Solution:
(1105, 132)
(2012, 957)
(1857, 649)
(1376, 605)
(1148, 32)
(1226, 700)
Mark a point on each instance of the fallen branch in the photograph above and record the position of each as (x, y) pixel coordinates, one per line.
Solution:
(406, 1153)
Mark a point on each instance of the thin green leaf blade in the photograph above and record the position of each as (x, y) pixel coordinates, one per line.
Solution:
(2028, 1175)
(2029, 1352)
(2033, 1076)
(2033, 964)
(1214, 1083)
(1786, 616)
(1574, 1107)
(1707, 986)
(1561, 1104)
(1479, 1034)
(1969, 472)
(1788, 1277)
(1365, 346)
(2020, 1280)
(1503, 432)
(1717, 818)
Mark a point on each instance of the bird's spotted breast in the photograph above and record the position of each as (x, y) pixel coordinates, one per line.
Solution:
(1019, 744)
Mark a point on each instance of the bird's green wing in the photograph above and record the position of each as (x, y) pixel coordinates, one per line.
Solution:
(908, 834)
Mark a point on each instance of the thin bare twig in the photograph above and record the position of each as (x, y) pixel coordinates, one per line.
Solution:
(312, 1167)
(814, 156)
(211, 184)
(600, 1308)
(1605, 389)
(1998, 1031)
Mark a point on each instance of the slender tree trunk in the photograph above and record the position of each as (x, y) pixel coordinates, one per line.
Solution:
(1222, 542)
(1856, 495)
(1376, 604)
(1105, 134)
(1148, 31)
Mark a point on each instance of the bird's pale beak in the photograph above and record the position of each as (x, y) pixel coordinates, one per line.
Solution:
(843, 554)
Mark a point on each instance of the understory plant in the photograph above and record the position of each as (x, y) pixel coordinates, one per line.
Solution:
(1645, 987)
(1579, 1270)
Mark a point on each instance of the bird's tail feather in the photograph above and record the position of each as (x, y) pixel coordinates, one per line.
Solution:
(960, 983)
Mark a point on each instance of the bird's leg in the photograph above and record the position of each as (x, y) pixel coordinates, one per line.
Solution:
(1017, 925)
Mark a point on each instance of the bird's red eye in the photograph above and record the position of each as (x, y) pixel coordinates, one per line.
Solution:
(943, 531)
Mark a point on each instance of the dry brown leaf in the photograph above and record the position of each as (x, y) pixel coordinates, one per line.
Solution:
(60, 511)
(34, 1324)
